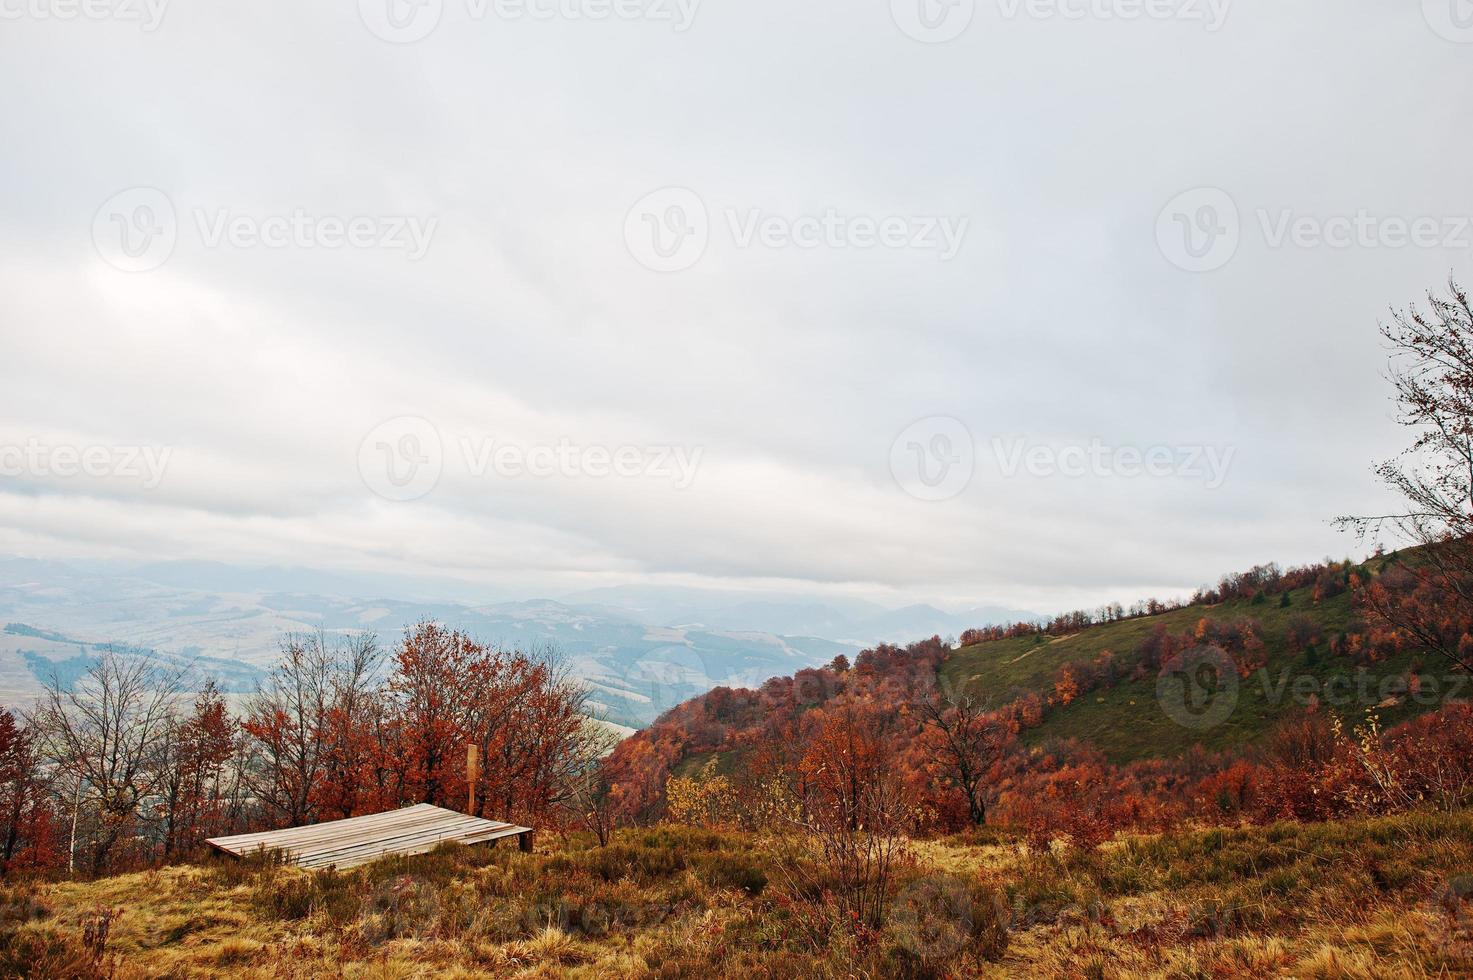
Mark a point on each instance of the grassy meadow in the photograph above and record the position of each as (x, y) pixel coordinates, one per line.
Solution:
(1126, 722)
(1388, 897)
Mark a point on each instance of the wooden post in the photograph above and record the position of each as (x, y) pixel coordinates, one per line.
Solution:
(525, 842)
(472, 773)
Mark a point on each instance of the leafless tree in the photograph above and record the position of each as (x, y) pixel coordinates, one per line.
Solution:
(587, 795)
(1431, 372)
(194, 752)
(353, 681)
(106, 731)
(287, 721)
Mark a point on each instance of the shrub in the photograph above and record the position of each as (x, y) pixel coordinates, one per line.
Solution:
(284, 898)
(258, 868)
(296, 896)
(96, 928)
(938, 922)
(624, 861)
(732, 871)
(43, 955)
(399, 908)
(19, 904)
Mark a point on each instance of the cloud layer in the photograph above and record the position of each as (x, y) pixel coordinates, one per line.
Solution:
(365, 269)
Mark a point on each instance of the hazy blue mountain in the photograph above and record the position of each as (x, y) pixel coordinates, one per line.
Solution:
(214, 576)
(218, 619)
(855, 621)
(913, 622)
(641, 649)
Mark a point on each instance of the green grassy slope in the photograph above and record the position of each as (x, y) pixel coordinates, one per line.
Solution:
(1127, 722)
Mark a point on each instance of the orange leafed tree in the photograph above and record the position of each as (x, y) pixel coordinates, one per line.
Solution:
(966, 742)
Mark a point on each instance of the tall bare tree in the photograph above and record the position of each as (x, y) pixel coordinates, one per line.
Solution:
(194, 753)
(1431, 372)
(348, 759)
(588, 797)
(286, 720)
(106, 731)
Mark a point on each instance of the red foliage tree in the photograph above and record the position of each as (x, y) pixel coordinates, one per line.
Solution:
(192, 802)
(27, 820)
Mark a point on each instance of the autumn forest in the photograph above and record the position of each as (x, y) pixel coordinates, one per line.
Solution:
(1271, 775)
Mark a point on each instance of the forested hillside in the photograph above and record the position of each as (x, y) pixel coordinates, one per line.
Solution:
(1138, 715)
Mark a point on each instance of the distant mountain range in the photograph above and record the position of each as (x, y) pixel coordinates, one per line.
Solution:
(854, 621)
(641, 649)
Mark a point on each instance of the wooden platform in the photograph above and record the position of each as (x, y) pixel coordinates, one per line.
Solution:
(359, 840)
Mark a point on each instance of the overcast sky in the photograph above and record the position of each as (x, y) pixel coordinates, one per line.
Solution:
(1039, 303)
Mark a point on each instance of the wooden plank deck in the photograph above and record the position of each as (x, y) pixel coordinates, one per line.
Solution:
(358, 840)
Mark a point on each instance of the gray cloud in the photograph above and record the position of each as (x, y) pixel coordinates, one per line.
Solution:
(529, 322)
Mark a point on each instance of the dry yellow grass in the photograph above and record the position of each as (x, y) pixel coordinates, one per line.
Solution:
(1372, 899)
